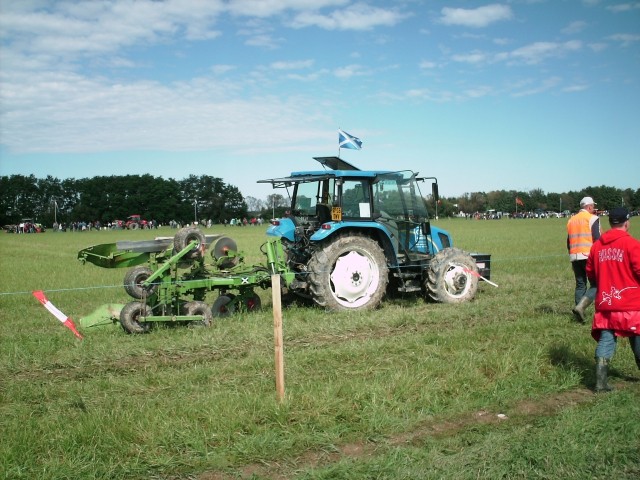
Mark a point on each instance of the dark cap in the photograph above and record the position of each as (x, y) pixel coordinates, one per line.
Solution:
(618, 216)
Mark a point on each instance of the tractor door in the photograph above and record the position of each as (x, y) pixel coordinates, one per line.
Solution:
(399, 205)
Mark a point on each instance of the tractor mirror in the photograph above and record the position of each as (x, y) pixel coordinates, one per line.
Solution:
(434, 191)
(426, 228)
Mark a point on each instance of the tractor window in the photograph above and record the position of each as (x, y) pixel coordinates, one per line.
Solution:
(397, 196)
(355, 199)
(315, 199)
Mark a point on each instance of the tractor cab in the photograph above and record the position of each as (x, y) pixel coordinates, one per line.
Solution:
(343, 197)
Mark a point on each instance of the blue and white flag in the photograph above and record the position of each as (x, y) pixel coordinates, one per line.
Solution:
(348, 141)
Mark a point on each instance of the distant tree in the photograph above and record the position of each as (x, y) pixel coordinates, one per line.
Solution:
(254, 205)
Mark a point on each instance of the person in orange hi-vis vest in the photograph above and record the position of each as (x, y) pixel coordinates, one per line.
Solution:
(583, 229)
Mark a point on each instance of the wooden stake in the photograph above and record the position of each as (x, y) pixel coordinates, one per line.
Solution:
(277, 335)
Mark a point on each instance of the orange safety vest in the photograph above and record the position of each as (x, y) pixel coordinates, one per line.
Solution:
(579, 231)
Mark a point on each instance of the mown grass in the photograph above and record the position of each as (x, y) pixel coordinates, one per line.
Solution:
(411, 390)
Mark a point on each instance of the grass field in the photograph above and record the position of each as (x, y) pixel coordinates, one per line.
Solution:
(496, 388)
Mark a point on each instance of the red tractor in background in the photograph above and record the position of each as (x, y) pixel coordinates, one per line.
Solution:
(134, 222)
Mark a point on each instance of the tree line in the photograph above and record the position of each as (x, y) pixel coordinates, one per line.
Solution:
(105, 199)
(510, 201)
(202, 198)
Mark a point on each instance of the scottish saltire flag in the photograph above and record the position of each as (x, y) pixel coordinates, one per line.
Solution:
(348, 141)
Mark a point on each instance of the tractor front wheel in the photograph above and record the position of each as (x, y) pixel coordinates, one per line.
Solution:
(349, 273)
(451, 277)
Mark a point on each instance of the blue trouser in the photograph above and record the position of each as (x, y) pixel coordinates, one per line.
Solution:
(607, 346)
(580, 272)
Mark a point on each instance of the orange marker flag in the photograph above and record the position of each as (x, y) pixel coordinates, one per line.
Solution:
(66, 321)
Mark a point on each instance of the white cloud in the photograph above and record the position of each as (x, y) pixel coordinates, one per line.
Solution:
(269, 8)
(574, 27)
(263, 40)
(538, 51)
(222, 69)
(540, 87)
(358, 16)
(473, 58)
(427, 65)
(624, 7)
(477, 17)
(69, 29)
(349, 71)
(625, 39)
(297, 65)
(581, 87)
(531, 54)
(69, 113)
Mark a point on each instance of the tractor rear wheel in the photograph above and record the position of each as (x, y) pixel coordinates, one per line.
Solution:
(350, 273)
(186, 236)
(451, 277)
(133, 282)
(132, 315)
(199, 308)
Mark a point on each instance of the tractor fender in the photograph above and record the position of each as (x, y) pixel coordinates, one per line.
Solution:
(376, 231)
(283, 227)
(331, 228)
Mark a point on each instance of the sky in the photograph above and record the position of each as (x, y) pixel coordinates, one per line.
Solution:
(513, 95)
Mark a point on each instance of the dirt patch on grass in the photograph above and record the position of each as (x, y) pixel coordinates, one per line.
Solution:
(433, 428)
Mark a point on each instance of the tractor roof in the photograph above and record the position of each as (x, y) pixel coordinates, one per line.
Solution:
(339, 169)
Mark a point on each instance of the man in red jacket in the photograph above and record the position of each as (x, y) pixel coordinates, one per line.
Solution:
(614, 266)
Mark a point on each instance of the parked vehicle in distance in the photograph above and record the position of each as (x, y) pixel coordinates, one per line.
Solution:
(135, 221)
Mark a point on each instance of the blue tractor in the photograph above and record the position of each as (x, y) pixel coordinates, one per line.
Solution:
(352, 236)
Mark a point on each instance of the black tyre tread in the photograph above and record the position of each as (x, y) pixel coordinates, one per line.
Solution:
(130, 314)
(186, 235)
(199, 308)
(133, 279)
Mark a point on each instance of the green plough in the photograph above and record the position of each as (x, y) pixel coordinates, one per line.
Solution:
(170, 278)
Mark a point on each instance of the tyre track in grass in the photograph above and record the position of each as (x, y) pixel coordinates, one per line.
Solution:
(521, 413)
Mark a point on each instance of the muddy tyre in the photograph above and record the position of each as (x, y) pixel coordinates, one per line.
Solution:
(451, 277)
(199, 308)
(186, 236)
(133, 282)
(132, 317)
(349, 273)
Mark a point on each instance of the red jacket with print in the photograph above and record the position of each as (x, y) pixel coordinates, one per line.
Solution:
(614, 265)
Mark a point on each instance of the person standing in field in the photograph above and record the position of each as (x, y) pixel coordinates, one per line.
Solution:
(583, 229)
(614, 265)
